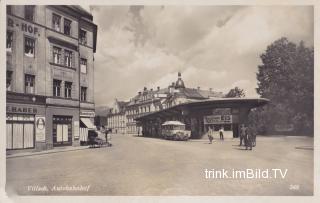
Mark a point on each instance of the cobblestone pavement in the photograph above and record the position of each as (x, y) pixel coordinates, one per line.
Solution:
(148, 166)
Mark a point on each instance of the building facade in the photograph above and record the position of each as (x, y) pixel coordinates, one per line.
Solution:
(50, 65)
(116, 118)
(150, 101)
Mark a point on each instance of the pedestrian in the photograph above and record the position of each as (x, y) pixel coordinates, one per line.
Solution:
(242, 133)
(210, 135)
(138, 132)
(248, 138)
(221, 133)
(105, 131)
(253, 133)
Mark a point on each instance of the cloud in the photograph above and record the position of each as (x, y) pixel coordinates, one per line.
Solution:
(213, 46)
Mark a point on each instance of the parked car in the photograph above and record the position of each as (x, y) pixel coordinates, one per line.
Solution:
(175, 130)
(94, 140)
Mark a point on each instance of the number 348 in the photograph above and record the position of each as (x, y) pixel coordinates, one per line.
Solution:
(294, 187)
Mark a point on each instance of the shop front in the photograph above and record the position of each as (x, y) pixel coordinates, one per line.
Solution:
(86, 124)
(22, 125)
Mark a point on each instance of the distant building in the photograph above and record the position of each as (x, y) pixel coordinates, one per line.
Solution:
(149, 101)
(50, 73)
(116, 118)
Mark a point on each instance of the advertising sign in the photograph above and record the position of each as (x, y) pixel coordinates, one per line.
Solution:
(40, 128)
(218, 119)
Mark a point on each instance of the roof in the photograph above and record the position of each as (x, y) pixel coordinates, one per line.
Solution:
(208, 103)
(173, 123)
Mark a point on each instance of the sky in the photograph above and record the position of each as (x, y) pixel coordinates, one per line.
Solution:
(216, 47)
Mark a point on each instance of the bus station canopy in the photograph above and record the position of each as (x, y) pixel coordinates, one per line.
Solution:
(205, 104)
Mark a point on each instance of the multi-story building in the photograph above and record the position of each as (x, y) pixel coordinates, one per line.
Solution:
(149, 101)
(116, 118)
(50, 56)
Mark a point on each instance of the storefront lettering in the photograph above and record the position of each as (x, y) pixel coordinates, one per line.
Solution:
(14, 109)
(24, 27)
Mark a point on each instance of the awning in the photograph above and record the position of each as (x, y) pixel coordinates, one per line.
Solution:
(88, 123)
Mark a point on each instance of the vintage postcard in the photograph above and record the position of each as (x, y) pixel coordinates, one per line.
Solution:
(162, 99)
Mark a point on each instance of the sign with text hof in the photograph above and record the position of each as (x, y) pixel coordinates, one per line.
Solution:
(40, 128)
(218, 119)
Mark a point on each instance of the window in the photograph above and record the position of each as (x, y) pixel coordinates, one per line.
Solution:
(56, 88)
(67, 89)
(9, 9)
(9, 80)
(29, 84)
(29, 46)
(9, 40)
(67, 27)
(83, 37)
(56, 55)
(56, 22)
(83, 94)
(68, 58)
(29, 12)
(83, 65)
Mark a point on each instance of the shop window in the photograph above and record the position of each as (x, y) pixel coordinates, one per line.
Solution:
(29, 84)
(83, 65)
(67, 27)
(29, 12)
(56, 22)
(9, 80)
(29, 46)
(83, 94)
(56, 88)
(83, 37)
(9, 40)
(56, 55)
(68, 58)
(67, 89)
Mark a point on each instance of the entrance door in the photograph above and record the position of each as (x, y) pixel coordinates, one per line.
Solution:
(28, 132)
(17, 136)
(62, 133)
(62, 130)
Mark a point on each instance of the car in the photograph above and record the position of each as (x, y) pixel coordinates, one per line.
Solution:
(95, 140)
(175, 130)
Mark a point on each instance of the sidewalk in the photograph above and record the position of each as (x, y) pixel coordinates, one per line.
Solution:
(50, 151)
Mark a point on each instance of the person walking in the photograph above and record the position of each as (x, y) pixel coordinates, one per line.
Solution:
(221, 133)
(210, 135)
(242, 134)
(248, 138)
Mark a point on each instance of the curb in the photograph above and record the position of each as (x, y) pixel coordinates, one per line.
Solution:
(43, 152)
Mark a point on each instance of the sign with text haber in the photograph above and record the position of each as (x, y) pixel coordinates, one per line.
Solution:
(40, 128)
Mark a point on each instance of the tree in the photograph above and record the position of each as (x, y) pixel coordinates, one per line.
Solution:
(286, 78)
(236, 92)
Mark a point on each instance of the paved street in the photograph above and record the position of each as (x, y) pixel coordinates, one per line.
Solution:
(148, 166)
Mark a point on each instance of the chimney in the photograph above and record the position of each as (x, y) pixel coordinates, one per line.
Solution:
(158, 88)
(198, 88)
(151, 90)
(145, 89)
(139, 93)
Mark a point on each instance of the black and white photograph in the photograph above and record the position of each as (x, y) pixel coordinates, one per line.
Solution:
(158, 100)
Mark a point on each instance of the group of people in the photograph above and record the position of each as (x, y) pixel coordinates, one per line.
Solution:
(247, 136)
(211, 132)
